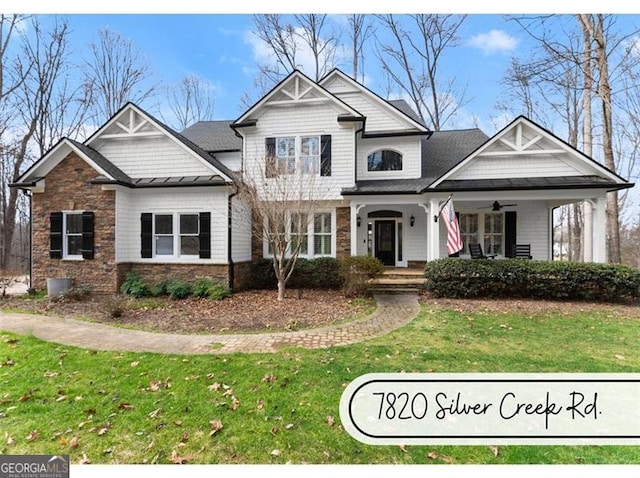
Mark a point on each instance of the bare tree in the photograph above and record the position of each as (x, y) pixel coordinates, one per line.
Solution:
(412, 59)
(360, 31)
(283, 201)
(191, 100)
(116, 73)
(46, 106)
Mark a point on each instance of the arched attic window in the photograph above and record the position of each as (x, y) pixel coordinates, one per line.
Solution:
(384, 160)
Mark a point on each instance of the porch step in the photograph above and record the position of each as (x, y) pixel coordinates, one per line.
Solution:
(403, 273)
(388, 284)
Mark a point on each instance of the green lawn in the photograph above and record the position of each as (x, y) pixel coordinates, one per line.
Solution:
(108, 407)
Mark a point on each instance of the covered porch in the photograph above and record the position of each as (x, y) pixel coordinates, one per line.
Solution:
(402, 231)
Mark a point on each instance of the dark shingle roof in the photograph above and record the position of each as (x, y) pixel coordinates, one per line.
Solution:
(110, 168)
(213, 136)
(440, 152)
(403, 106)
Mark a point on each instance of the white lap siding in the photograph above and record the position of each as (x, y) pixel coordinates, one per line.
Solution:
(131, 203)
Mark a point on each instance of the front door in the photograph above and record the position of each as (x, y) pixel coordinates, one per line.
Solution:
(385, 249)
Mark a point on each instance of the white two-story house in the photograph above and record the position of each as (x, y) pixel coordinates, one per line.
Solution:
(139, 197)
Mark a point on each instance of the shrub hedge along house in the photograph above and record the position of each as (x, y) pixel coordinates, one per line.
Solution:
(137, 196)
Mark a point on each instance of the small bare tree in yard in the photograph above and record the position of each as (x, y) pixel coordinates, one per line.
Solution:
(283, 197)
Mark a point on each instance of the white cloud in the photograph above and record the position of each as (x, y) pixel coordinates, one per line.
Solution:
(495, 41)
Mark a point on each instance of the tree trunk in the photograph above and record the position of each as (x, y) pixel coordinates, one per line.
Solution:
(281, 289)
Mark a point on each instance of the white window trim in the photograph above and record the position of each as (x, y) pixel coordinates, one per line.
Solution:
(176, 256)
(310, 236)
(65, 247)
(298, 152)
(465, 252)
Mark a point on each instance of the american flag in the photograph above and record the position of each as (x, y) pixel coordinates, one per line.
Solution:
(454, 240)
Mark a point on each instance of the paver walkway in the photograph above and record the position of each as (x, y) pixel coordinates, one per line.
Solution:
(393, 311)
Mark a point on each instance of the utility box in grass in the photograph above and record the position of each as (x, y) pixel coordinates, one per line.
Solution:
(58, 287)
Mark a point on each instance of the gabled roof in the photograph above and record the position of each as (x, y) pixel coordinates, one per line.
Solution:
(292, 76)
(58, 152)
(549, 136)
(213, 136)
(188, 145)
(398, 107)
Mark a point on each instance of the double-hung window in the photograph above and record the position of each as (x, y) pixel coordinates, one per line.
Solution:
(176, 234)
(72, 241)
(298, 154)
(322, 234)
(299, 233)
(485, 228)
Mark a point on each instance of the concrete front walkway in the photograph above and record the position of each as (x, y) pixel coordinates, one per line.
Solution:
(393, 311)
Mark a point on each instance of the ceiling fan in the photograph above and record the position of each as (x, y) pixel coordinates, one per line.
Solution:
(496, 206)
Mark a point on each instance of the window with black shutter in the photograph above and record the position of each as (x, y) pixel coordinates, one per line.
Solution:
(205, 235)
(325, 155)
(87, 235)
(146, 235)
(55, 235)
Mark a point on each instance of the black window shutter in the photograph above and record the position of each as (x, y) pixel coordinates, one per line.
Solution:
(325, 155)
(87, 235)
(457, 254)
(510, 239)
(205, 235)
(146, 235)
(55, 235)
(270, 159)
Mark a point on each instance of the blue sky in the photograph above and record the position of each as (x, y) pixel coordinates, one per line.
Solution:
(219, 47)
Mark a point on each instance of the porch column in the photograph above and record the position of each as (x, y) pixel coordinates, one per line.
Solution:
(433, 231)
(587, 230)
(599, 229)
(353, 228)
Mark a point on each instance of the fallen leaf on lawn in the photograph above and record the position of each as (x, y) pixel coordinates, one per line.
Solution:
(446, 459)
(155, 413)
(216, 426)
(275, 452)
(330, 421)
(103, 429)
(494, 450)
(210, 375)
(185, 437)
(214, 387)
(289, 426)
(177, 459)
(135, 364)
(78, 398)
(273, 431)
(61, 398)
(62, 441)
(125, 406)
(8, 363)
(235, 403)
(27, 396)
(260, 404)
(85, 460)
(10, 441)
(178, 423)
(432, 455)
(269, 378)
(51, 374)
(619, 356)
(403, 448)
(75, 441)
(228, 392)
(32, 436)
(154, 385)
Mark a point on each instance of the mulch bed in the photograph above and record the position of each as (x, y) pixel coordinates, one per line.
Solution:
(243, 312)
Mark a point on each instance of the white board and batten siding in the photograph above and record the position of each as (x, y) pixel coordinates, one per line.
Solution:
(153, 157)
(408, 146)
(307, 120)
(130, 204)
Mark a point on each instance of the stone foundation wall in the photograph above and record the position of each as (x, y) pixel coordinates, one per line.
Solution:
(68, 188)
(343, 232)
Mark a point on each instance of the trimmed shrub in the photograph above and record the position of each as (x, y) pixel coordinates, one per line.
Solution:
(134, 286)
(532, 279)
(320, 273)
(218, 292)
(357, 271)
(178, 289)
(201, 287)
